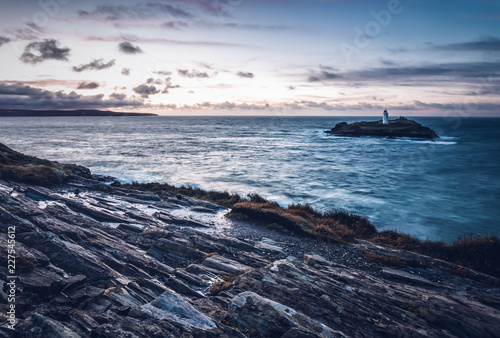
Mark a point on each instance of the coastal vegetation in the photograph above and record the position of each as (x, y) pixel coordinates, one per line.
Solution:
(477, 252)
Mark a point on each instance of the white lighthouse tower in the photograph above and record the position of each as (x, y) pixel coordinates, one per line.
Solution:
(386, 117)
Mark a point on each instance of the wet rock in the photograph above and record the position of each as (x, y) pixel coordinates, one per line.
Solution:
(46, 327)
(173, 307)
(272, 319)
(173, 252)
(41, 282)
(203, 209)
(226, 265)
(267, 245)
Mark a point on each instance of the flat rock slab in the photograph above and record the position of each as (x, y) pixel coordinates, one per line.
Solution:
(173, 307)
(272, 319)
(225, 265)
(408, 277)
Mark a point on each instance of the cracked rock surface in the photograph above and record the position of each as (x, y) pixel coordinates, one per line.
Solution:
(98, 261)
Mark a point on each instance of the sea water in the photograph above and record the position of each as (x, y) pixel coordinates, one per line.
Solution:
(431, 189)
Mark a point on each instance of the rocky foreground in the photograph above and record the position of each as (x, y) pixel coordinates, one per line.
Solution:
(400, 127)
(94, 260)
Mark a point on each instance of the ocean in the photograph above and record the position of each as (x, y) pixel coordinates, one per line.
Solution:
(432, 190)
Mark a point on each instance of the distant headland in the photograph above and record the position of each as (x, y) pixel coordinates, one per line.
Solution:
(400, 127)
(78, 112)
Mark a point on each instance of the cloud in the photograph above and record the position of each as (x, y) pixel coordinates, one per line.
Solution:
(192, 74)
(94, 65)
(37, 52)
(168, 41)
(3, 40)
(139, 11)
(118, 96)
(30, 31)
(128, 48)
(145, 90)
(322, 76)
(245, 74)
(169, 85)
(162, 72)
(154, 81)
(88, 85)
(418, 75)
(126, 71)
(487, 44)
(19, 89)
(174, 24)
(20, 96)
(250, 26)
(330, 68)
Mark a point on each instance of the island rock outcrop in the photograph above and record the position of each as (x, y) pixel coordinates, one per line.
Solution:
(400, 127)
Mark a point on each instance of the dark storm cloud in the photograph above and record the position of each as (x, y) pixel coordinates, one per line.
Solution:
(138, 11)
(126, 71)
(88, 85)
(37, 52)
(20, 96)
(245, 74)
(3, 40)
(98, 64)
(145, 90)
(322, 76)
(128, 48)
(488, 44)
(192, 74)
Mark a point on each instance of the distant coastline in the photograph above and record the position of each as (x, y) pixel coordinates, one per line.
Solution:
(78, 112)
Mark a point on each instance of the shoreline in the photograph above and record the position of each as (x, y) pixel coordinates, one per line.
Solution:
(94, 259)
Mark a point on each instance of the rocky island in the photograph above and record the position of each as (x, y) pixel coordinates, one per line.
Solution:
(400, 127)
(94, 259)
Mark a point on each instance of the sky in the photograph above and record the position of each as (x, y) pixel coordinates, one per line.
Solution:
(243, 57)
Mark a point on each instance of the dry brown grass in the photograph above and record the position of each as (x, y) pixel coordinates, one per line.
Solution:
(388, 260)
(226, 283)
(36, 174)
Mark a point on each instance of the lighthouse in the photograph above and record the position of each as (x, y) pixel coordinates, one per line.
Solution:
(386, 117)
